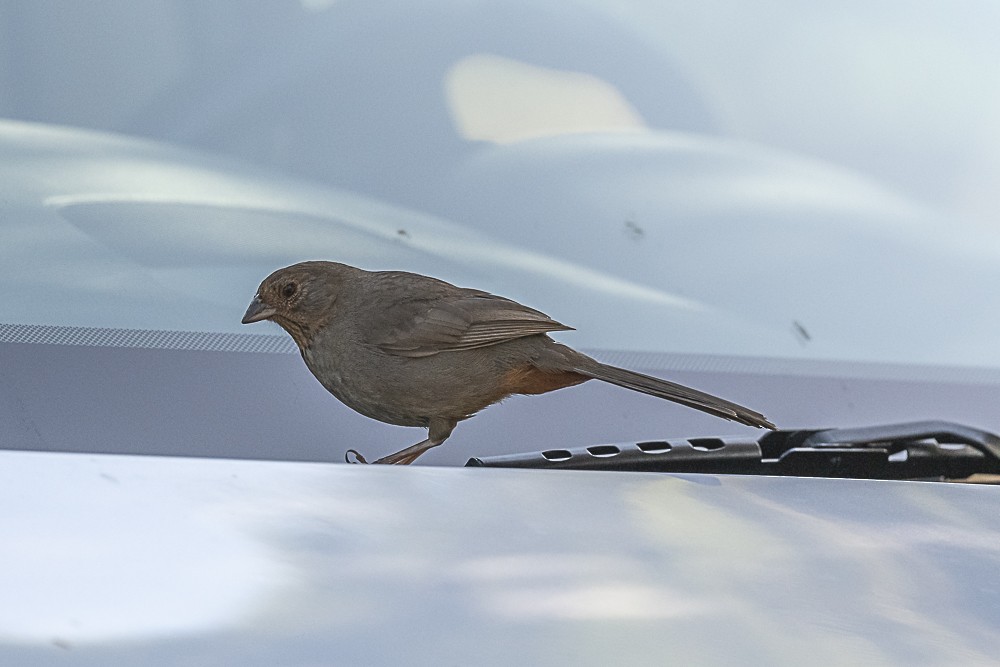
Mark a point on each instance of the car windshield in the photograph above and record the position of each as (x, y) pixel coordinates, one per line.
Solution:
(794, 180)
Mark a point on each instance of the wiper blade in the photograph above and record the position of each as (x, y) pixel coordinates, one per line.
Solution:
(914, 450)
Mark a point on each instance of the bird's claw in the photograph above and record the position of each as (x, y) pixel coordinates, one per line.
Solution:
(358, 456)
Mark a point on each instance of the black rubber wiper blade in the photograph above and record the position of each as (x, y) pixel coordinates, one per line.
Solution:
(915, 450)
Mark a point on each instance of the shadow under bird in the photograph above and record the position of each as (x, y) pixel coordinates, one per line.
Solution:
(412, 350)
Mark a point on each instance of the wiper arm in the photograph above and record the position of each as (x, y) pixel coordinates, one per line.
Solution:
(914, 450)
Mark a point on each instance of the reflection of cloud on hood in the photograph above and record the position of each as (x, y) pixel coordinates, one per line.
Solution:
(572, 586)
(120, 557)
(605, 600)
(492, 98)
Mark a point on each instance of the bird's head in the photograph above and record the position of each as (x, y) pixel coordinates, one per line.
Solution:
(299, 297)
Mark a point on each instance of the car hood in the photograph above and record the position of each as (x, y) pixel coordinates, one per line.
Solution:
(120, 560)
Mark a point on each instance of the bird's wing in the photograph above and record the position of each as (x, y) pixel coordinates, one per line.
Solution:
(462, 320)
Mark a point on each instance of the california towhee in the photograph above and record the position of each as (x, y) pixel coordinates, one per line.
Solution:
(411, 350)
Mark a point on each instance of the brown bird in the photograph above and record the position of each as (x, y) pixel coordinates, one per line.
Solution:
(411, 350)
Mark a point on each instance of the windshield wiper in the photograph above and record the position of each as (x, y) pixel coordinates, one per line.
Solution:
(914, 450)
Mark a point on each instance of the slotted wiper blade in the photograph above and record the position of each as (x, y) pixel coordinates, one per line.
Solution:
(914, 450)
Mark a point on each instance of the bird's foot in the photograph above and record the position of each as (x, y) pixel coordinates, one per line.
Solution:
(358, 456)
(399, 458)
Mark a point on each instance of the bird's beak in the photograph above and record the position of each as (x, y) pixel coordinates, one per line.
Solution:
(257, 311)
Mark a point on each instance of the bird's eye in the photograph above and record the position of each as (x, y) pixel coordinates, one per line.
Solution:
(289, 289)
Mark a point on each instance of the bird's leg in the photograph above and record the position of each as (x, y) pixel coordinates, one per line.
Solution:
(438, 432)
(409, 455)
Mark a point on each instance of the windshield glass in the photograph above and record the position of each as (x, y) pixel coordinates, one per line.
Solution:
(793, 181)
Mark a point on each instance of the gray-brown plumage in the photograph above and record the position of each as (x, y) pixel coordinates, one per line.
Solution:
(411, 350)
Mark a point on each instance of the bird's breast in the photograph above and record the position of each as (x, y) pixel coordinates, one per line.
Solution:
(362, 381)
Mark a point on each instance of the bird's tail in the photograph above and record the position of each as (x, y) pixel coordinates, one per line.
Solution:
(673, 392)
